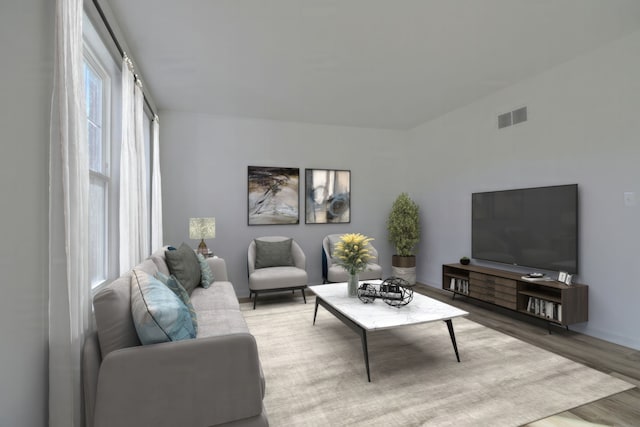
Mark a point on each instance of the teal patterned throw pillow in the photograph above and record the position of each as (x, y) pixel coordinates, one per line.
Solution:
(158, 314)
(206, 275)
(177, 288)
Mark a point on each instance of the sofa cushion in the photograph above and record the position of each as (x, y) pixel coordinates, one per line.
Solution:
(206, 275)
(159, 260)
(112, 309)
(158, 314)
(218, 310)
(216, 323)
(219, 296)
(183, 263)
(273, 254)
(172, 283)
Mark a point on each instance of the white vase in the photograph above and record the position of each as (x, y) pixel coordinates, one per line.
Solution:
(352, 285)
(408, 274)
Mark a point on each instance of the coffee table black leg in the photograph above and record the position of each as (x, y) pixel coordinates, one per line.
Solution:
(315, 313)
(453, 338)
(362, 333)
(365, 350)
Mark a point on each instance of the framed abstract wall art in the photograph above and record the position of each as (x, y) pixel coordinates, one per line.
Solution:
(273, 195)
(327, 196)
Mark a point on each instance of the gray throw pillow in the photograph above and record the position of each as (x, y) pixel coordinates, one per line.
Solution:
(183, 263)
(273, 254)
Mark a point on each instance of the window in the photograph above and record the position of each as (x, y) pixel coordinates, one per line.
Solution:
(96, 98)
(102, 76)
(103, 86)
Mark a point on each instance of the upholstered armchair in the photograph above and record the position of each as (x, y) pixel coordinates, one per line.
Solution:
(332, 272)
(275, 263)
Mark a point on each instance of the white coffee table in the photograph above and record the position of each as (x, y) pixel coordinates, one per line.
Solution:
(378, 315)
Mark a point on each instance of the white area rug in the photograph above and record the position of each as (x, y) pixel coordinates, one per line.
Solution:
(316, 376)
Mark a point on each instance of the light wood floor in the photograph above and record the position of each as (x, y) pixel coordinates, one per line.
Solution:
(622, 409)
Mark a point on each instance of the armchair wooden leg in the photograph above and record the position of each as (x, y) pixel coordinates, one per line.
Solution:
(303, 295)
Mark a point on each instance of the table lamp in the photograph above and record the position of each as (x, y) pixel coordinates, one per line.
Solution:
(202, 228)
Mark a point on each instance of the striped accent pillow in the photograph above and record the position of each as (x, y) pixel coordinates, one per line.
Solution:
(206, 275)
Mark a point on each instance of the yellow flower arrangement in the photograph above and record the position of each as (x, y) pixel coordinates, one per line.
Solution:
(352, 252)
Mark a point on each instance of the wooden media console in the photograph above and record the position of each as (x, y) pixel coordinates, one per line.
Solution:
(553, 301)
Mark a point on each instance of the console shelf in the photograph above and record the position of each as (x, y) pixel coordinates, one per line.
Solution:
(542, 295)
(550, 300)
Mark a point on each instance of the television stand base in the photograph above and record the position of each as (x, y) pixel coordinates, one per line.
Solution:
(555, 302)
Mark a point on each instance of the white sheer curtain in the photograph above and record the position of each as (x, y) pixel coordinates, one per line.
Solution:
(156, 189)
(142, 174)
(69, 299)
(133, 218)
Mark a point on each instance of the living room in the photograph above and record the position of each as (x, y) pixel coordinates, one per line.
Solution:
(582, 128)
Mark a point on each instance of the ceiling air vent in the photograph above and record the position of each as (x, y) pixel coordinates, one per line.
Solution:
(504, 120)
(519, 115)
(514, 117)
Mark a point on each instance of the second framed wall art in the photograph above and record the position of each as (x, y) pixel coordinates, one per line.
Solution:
(327, 196)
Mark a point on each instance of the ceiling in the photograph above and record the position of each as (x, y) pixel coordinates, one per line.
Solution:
(371, 63)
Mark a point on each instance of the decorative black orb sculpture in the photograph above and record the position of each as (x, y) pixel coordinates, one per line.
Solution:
(367, 293)
(394, 291)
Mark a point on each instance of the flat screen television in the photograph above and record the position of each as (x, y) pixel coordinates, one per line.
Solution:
(529, 227)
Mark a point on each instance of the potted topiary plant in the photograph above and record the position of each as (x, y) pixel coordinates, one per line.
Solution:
(403, 225)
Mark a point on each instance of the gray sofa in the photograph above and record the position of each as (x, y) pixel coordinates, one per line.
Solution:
(213, 379)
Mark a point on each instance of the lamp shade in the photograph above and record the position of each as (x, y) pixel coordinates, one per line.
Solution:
(202, 228)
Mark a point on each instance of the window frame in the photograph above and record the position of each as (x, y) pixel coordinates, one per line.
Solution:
(102, 177)
(104, 55)
(98, 54)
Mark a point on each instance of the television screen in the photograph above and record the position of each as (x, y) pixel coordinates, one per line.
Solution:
(531, 227)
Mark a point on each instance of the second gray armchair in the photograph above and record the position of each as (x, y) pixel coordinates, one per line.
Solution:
(332, 272)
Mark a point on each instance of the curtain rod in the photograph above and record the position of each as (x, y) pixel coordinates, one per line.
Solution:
(120, 50)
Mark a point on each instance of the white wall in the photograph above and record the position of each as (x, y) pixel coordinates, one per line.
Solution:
(583, 127)
(26, 46)
(204, 173)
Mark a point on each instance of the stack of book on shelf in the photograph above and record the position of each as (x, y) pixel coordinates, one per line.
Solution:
(459, 285)
(544, 308)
